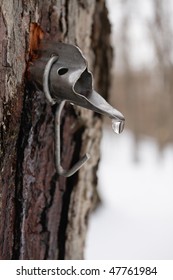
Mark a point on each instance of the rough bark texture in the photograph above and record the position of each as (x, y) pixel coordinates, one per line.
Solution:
(44, 216)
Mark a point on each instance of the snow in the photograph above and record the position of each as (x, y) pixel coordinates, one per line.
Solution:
(135, 218)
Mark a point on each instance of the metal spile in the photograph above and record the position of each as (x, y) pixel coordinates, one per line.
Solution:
(61, 73)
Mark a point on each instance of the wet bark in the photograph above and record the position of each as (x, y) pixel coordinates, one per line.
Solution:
(43, 215)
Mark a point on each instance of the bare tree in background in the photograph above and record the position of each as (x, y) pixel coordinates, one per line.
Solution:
(161, 31)
(44, 216)
(126, 75)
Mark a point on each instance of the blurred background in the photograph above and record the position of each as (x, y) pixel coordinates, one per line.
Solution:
(135, 219)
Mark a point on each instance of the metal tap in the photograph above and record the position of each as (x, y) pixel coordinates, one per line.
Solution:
(61, 72)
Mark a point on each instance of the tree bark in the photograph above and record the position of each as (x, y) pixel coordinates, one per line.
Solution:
(43, 215)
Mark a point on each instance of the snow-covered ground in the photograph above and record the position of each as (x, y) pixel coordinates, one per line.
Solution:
(135, 220)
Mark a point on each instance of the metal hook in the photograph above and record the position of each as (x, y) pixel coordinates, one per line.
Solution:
(81, 162)
(77, 165)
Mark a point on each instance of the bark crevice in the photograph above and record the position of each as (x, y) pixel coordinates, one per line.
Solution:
(25, 127)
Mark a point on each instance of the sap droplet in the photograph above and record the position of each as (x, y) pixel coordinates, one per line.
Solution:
(117, 126)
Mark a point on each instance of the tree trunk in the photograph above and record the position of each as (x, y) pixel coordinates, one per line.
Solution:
(43, 215)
